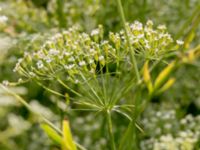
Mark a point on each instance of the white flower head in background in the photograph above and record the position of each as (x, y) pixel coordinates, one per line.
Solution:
(179, 42)
(3, 19)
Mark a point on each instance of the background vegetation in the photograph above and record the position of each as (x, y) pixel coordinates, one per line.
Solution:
(171, 120)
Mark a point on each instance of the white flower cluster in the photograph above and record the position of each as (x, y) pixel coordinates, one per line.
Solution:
(76, 54)
(70, 52)
(169, 133)
(3, 18)
(149, 42)
(186, 140)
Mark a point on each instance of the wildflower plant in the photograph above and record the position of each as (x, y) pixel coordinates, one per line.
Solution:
(106, 75)
(101, 68)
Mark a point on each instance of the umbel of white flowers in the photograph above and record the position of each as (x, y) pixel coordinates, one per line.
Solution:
(75, 53)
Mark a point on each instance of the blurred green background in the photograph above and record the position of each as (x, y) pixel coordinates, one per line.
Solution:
(26, 24)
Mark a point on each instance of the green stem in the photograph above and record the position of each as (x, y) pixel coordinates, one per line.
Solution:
(50, 90)
(110, 131)
(67, 87)
(22, 101)
(128, 40)
(91, 88)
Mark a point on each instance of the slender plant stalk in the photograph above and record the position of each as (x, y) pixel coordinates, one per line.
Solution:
(132, 52)
(67, 87)
(22, 101)
(44, 119)
(128, 40)
(110, 131)
(50, 90)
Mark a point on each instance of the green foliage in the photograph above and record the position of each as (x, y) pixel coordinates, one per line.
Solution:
(135, 87)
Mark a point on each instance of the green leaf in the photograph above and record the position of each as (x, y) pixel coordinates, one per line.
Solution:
(67, 137)
(52, 134)
(162, 77)
(167, 85)
(189, 39)
(147, 77)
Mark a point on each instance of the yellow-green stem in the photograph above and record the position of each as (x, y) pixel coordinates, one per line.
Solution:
(132, 52)
(44, 119)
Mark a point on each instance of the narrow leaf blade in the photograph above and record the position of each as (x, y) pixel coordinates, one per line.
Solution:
(52, 134)
(160, 80)
(147, 77)
(67, 136)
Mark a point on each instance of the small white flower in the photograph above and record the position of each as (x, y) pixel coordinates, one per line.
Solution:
(17, 65)
(68, 67)
(92, 71)
(74, 47)
(65, 32)
(40, 64)
(85, 36)
(71, 59)
(76, 81)
(16, 68)
(92, 50)
(20, 80)
(53, 52)
(158, 114)
(161, 35)
(147, 46)
(136, 26)
(94, 32)
(104, 42)
(146, 41)
(101, 58)
(48, 60)
(148, 30)
(3, 19)
(164, 43)
(156, 39)
(39, 54)
(140, 36)
(149, 22)
(57, 36)
(91, 61)
(5, 82)
(167, 126)
(60, 57)
(135, 41)
(183, 134)
(179, 42)
(82, 63)
(67, 53)
(32, 74)
(156, 50)
(48, 42)
(161, 27)
(20, 60)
